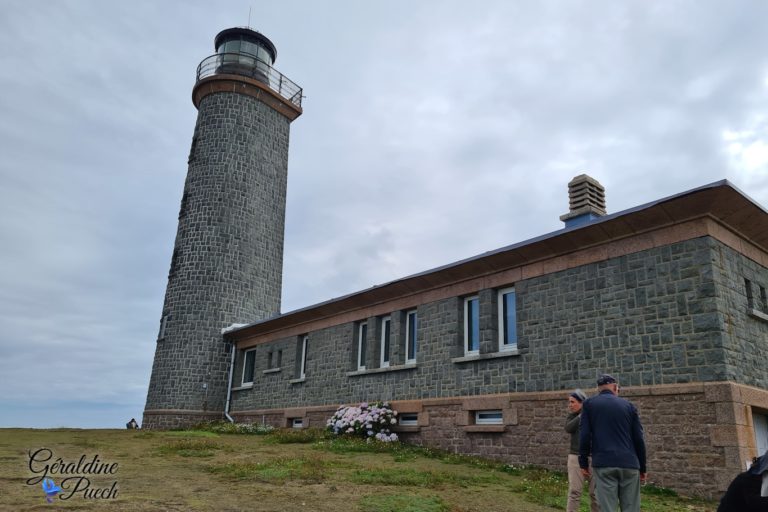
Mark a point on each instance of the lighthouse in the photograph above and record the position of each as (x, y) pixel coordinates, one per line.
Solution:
(227, 258)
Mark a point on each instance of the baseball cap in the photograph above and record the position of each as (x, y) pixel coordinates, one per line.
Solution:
(605, 379)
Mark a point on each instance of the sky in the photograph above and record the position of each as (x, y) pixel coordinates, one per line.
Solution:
(432, 131)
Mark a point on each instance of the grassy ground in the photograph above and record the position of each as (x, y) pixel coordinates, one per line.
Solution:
(281, 472)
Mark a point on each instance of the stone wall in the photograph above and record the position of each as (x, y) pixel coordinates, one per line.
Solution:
(227, 259)
(698, 436)
(744, 315)
(650, 317)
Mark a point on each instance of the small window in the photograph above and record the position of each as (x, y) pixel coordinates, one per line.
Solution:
(471, 326)
(279, 359)
(362, 334)
(750, 300)
(304, 343)
(763, 299)
(163, 324)
(489, 417)
(386, 324)
(411, 328)
(248, 367)
(408, 419)
(297, 422)
(269, 359)
(507, 320)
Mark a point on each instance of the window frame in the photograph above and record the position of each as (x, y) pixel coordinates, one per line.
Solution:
(411, 343)
(385, 341)
(414, 422)
(362, 334)
(246, 353)
(467, 300)
(303, 364)
(297, 422)
(503, 346)
(497, 419)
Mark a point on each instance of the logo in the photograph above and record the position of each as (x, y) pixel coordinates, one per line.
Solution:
(85, 478)
(50, 489)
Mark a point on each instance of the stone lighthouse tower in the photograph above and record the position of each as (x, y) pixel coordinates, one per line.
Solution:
(228, 256)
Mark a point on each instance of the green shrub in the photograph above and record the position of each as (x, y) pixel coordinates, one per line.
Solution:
(225, 427)
(296, 435)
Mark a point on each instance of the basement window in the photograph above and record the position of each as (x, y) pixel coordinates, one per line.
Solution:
(492, 417)
(408, 419)
(297, 422)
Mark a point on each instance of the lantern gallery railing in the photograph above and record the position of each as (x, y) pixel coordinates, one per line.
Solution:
(252, 67)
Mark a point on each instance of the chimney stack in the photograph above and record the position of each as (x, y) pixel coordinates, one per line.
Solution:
(586, 197)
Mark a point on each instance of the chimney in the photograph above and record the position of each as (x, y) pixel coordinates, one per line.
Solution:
(586, 197)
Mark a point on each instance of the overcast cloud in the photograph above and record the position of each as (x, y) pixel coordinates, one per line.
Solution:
(432, 131)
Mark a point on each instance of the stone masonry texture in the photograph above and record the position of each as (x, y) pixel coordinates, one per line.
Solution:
(653, 317)
(676, 315)
(227, 259)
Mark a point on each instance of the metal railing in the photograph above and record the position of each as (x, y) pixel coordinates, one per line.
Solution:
(252, 67)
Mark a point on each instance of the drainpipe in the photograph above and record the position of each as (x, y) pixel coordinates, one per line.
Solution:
(229, 384)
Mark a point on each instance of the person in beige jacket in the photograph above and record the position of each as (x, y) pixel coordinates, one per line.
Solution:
(575, 476)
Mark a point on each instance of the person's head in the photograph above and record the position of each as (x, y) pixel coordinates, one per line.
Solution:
(575, 400)
(608, 382)
(759, 465)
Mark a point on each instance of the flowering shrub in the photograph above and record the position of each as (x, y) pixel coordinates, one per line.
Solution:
(371, 421)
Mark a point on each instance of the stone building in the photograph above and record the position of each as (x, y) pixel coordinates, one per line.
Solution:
(477, 356)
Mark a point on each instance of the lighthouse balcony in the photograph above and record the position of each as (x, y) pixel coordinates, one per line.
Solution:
(251, 67)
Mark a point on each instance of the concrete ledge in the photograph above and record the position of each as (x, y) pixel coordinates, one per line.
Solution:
(406, 429)
(242, 388)
(272, 370)
(383, 370)
(297, 381)
(482, 357)
(757, 314)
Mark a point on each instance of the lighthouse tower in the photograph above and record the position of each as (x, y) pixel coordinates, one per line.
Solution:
(228, 256)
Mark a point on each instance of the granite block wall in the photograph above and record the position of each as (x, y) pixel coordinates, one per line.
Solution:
(651, 317)
(227, 259)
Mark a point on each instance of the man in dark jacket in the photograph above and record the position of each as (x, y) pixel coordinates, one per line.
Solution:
(612, 433)
(749, 491)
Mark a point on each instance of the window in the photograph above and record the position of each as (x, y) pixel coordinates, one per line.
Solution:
(408, 419)
(362, 334)
(750, 300)
(297, 422)
(411, 326)
(507, 320)
(763, 300)
(493, 417)
(163, 324)
(250, 360)
(303, 367)
(386, 324)
(471, 326)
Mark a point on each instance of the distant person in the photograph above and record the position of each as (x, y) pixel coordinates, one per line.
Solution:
(612, 433)
(575, 476)
(749, 490)
(132, 425)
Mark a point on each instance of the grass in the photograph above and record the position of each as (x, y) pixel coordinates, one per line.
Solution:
(286, 471)
(402, 503)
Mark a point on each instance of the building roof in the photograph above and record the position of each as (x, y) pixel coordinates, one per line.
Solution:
(720, 201)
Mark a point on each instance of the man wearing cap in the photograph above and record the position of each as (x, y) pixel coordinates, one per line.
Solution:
(612, 433)
(575, 477)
